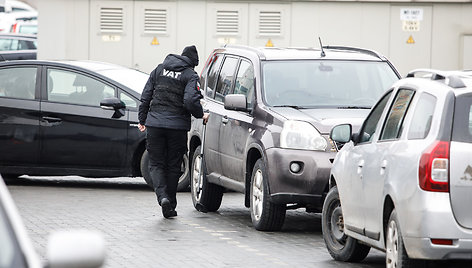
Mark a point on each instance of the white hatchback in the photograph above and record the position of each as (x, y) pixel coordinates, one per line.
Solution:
(403, 183)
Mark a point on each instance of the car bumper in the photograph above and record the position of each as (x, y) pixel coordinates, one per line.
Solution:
(435, 220)
(308, 186)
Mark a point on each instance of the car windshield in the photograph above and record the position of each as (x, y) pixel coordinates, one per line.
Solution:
(131, 78)
(325, 83)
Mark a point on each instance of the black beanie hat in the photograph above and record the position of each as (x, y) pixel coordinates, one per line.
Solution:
(191, 53)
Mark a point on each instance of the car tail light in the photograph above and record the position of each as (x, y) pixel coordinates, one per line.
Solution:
(433, 171)
(13, 28)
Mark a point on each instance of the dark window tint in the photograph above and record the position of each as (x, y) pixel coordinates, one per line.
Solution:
(422, 117)
(18, 83)
(393, 125)
(245, 81)
(370, 124)
(70, 87)
(225, 79)
(462, 126)
(213, 74)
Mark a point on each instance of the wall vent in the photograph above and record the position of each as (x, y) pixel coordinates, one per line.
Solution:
(227, 22)
(111, 20)
(270, 23)
(155, 21)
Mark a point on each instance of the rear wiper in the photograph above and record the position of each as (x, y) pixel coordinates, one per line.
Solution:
(290, 106)
(353, 107)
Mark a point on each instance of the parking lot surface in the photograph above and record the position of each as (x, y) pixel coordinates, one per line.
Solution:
(137, 235)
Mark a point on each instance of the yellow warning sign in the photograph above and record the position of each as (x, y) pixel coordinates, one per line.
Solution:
(410, 40)
(269, 43)
(154, 41)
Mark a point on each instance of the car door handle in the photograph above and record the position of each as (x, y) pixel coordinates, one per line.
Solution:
(383, 167)
(224, 120)
(51, 119)
(360, 165)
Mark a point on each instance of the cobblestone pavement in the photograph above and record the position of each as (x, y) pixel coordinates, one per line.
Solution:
(137, 235)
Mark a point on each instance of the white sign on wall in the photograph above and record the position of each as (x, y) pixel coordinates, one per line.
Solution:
(411, 14)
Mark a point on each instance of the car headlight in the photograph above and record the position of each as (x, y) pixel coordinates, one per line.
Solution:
(301, 135)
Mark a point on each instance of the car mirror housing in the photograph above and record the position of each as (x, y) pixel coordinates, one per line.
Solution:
(236, 102)
(78, 248)
(341, 133)
(112, 104)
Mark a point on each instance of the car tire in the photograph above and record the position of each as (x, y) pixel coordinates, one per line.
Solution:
(265, 215)
(396, 255)
(211, 194)
(340, 246)
(184, 180)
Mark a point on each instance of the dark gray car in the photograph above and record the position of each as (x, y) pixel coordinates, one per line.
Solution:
(17, 47)
(271, 113)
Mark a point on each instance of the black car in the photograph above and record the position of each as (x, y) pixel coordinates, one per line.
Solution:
(71, 118)
(17, 47)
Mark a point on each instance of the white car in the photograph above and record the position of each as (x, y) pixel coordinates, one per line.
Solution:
(403, 183)
(12, 11)
(65, 248)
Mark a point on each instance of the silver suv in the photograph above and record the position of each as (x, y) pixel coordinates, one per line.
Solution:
(403, 183)
(271, 110)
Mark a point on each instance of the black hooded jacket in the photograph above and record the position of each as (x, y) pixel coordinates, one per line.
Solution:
(172, 93)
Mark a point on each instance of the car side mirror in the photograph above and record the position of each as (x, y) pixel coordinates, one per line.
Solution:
(78, 248)
(236, 102)
(341, 133)
(114, 104)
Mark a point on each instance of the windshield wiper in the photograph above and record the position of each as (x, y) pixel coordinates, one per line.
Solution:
(290, 106)
(353, 107)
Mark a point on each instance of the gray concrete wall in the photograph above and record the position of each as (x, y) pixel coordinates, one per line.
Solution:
(441, 37)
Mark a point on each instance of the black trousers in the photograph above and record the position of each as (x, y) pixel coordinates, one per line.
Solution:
(166, 148)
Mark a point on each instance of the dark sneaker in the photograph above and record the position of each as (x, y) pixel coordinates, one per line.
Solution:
(201, 208)
(167, 208)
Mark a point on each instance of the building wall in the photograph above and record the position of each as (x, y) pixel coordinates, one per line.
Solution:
(441, 35)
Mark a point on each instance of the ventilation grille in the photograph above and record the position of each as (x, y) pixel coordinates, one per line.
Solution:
(155, 21)
(111, 20)
(270, 23)
(227, 22)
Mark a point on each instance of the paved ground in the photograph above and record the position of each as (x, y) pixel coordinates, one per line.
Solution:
(125, 211)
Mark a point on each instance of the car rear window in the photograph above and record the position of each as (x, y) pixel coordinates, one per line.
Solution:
(462, 126)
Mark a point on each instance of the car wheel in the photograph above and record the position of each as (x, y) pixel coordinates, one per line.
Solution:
(183, 180)
(340, 246)
(210, 195)
(265, 215)
(396, 255)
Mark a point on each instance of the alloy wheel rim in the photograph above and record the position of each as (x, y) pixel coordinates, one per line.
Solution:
(392, 245)
(257, 195)
(196, 173)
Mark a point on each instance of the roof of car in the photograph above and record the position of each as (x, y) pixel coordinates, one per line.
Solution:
(296, 53)
(16, 35)
(84, 64)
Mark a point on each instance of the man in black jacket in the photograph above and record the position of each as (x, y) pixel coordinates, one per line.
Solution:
(170, 97)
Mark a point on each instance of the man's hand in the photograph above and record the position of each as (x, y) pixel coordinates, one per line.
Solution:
(142, 128)
(205, 117)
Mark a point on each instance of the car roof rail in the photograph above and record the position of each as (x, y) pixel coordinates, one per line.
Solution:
(253, 49)
(453, 80)
(357, 49)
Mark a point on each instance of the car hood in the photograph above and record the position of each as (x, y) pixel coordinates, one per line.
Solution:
(325, 119)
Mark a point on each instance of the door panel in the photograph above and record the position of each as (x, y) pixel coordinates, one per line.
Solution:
(75, 131)
(19, 116)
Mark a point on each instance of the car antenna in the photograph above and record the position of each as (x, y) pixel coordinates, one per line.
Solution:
(321, 45)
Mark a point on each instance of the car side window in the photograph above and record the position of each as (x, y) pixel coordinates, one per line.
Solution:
(245, 81)
(422, 117)
(225, 79)
(5, 44)
(128, 100)
(76, 88)
(213, 75)
(18, 83)
(394, 123)
(370, 124)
